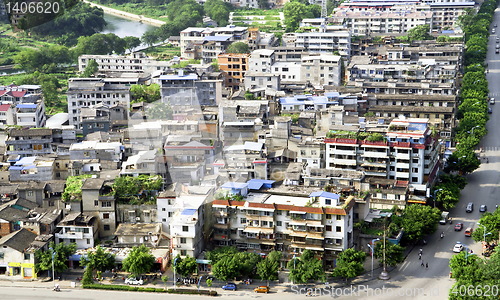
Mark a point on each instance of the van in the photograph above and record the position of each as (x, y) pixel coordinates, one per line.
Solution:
(470, 207)
(468, 231)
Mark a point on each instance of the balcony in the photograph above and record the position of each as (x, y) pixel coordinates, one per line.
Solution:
(349, 162)
(374, 154)
(221, 225)
(403, 165)
(343, 152)
(70, 235)
(221, 237)
(374, 164)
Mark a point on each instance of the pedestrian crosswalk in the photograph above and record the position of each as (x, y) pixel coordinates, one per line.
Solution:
(491, 148)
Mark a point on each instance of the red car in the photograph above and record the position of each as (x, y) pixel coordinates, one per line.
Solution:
(459, 226)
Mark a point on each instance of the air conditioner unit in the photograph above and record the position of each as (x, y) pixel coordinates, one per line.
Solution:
(138, 218)
(330, 222)
(178, 246)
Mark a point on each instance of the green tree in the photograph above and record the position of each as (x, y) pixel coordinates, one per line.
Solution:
(91, 68)
(263, 4)
(218, 253)
(225, 269)
(61, 257)
(209, 283)
(218, 11)
(88, 277)
(246, 263)
(268, 268)
(100, 43)
(99, 260)
(394, 254)
(420, 32)
(491, 223)
(238, 47)
(138, 261)
(145, 93)
(159, 111)
(349, 264)
(47, 59)
(294, 13)
(418, 221)
(73, 188)
(164, 278)
(306, 268)
(185, 266)
(131, 42)
(151, 37)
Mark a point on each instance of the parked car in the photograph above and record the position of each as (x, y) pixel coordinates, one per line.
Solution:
(468, 231)
(490, 111)
(483, 208)
(459, 226)
(261, 289)
(458, 247)
(497, 40)
(493, 31)
(492, 101)
(229, 287)
(134, 281)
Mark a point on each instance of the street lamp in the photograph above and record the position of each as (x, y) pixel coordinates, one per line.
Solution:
(53, 256)
(467, 254)
(434, 196)
(384, 275)
(175, 279)
(372, 248)
(484, 232)
(472, 130)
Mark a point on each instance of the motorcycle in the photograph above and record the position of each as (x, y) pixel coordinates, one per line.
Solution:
(56, 288)
(442, 234)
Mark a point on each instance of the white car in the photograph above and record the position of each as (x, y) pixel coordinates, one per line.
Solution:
(458, 248)
(134, 281)
(492, 101)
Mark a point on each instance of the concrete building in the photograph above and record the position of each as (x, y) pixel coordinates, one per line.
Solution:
(397, 157)
(14, 94)
(188, 91)
(136, 62)
(32, 168)
(321, 70)
(321, 222)
(31, 114)
(7, 115)
(97, 202)
(29, 142)
(323, 42)
(77, 228)
(234, 66)
(193, 38)
(86, 92)
(136, 234)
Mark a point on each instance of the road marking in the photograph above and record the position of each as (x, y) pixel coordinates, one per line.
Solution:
(404, 266)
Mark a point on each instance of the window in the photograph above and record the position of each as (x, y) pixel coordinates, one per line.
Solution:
(163, 209)
(72, 240)
(328, 228)
(106, 228)
(328, 216)
(278, 223)
(106, 204)
(243, 221)
(183, 240)
(30, 193)
(339, 217)
(338, 229)
(105, 216)
(183, 252)
(164, 220)
(185, 228)
(86, 230)
(26, 256)
(328, 201)
(170, 214)
(88, 241)
(96, 203)
(1, 255)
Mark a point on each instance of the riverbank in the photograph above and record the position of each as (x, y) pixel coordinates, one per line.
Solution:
(126, 15)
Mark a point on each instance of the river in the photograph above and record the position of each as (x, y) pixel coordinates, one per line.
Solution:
(124, 27)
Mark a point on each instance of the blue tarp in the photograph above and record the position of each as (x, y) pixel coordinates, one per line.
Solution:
(256, 184)
(188, 212)
(325, 195)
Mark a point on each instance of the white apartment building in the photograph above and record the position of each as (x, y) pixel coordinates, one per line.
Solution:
(321, 70)
(77, 228)
(192, 38)
(397, 20)
(324, 42)
(87, 92)
(408, 153)
(31, 114)
(261, 61)
(321, 222)
(137, 62)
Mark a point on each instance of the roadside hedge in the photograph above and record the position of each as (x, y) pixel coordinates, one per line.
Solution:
(115, 287)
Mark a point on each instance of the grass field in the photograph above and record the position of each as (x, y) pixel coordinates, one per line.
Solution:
(163, 52)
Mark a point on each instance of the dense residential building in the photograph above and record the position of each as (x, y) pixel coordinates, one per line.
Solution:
(338, 42)
(77, 228)
(87, 92)
(136, 62)
(398, 156)
(234, 66)
(98, 202)
(193, 39)
(29, 142)
(32, 168)
(14, 94)
(321, 222)
(7, 115)
(188, 91)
